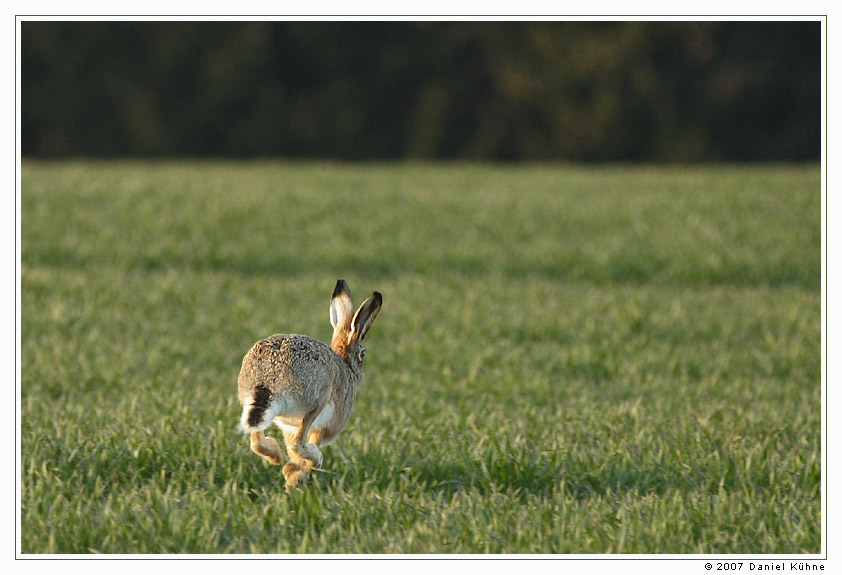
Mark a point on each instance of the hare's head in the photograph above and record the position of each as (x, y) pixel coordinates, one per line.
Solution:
(349, 328)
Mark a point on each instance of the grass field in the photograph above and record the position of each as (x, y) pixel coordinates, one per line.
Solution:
(568, 359)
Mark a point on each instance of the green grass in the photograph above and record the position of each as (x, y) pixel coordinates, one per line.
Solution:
(568, 359)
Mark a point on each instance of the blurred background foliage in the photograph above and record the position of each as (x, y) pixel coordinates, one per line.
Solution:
(486, 90)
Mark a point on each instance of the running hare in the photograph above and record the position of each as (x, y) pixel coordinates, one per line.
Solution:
(304, 386)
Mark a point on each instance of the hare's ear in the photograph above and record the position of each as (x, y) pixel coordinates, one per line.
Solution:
(365, 316)
(341, 306)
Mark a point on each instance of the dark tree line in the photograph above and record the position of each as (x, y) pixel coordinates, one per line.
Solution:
(575, 91)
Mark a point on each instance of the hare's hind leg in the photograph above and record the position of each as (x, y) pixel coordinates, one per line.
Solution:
(266, 447)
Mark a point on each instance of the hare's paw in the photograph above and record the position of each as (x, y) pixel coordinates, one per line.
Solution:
(317, 461)
(294, 476)
(311, 452)
(290, 469)
(267, 448)
(293, 481)
(307, 465)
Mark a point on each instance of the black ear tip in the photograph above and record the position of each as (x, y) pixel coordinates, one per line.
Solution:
(341, 286)
(377, 297)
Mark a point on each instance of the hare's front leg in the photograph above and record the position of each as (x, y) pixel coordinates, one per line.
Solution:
(314, 438)
(304, 453)
(266, 447)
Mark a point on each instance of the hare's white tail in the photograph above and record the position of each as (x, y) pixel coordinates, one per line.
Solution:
(262, 407)
(260, 411)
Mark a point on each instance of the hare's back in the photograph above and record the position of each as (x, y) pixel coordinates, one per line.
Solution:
(288, 363)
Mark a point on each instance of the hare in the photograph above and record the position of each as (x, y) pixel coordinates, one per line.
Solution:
(304, 386)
